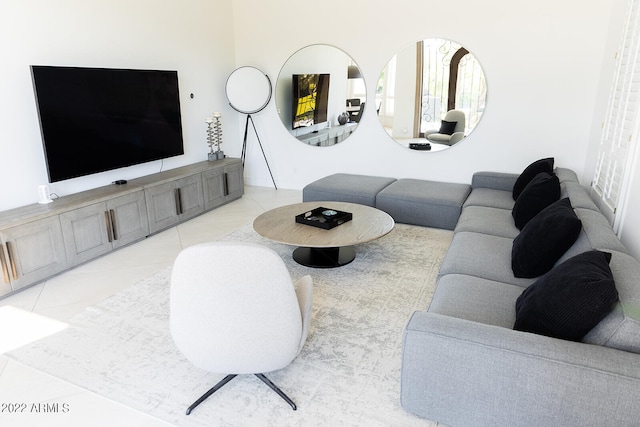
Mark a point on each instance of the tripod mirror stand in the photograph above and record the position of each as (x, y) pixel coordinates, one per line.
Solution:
(249, 91)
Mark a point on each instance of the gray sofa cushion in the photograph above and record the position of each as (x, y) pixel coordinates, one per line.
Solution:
(487, 220)
(476, 299)
(481, 255)
(343, 187)
(566, 175)
(421, 202)
(621, 328)
(598, 230)
(490, 197)
(578, 195)
(496, 180)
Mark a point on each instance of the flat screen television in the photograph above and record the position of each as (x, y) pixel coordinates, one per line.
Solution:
(310, 99)
(98, 119)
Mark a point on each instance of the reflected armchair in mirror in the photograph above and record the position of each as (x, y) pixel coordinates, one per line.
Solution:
(451, 129)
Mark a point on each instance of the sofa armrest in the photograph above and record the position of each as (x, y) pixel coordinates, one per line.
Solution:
(466, 373)
(495, 180)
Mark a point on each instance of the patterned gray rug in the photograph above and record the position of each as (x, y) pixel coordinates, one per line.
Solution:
(347, 373)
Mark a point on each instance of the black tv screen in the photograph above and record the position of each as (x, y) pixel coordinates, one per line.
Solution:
(310, 99)
(98, 119)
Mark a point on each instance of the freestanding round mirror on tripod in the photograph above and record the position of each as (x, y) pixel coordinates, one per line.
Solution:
(249, 91)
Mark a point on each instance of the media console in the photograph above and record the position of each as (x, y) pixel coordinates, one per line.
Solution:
(39, 241)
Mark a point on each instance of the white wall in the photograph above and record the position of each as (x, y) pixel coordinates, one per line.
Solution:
(194, 37)
(542, 61)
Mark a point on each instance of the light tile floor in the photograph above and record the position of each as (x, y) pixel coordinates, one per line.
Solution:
(85, 285)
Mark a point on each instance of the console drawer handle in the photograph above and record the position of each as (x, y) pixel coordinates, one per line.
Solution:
(108, 225)
(12, 261)
(5, 270)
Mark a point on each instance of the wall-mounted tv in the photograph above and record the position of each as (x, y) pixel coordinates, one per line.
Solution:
(98, 119)
(310, 99)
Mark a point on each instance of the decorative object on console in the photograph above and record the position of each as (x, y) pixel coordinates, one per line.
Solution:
(343, 118)
(570, 300)
(214, 136)
(249, 91)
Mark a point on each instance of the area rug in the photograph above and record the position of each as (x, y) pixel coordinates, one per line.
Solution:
(348, 373)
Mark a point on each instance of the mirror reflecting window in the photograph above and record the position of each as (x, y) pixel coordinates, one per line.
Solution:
(431, 95)
(320, 95)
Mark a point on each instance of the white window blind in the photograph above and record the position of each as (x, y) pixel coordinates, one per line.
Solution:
(621, 119)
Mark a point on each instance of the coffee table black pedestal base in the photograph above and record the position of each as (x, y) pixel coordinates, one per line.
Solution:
(324, 257)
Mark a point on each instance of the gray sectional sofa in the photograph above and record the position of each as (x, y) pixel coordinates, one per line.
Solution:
(463, 364)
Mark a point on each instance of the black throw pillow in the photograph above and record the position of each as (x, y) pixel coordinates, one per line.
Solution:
(447, 127)
(570, 300)
(542, 165)
(539, 193)
(545, 239)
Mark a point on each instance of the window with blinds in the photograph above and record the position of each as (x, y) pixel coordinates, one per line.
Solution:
(621, 122)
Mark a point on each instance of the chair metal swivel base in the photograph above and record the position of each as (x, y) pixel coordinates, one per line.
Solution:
(228, 378)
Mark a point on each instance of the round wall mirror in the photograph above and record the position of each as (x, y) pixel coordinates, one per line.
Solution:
(320, 95)
(431, 95)
(248, 90)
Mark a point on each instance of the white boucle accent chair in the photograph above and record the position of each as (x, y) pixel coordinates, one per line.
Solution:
(235, 310)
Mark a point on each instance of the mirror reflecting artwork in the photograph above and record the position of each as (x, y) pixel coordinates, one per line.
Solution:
(320, 95)
(431, 95)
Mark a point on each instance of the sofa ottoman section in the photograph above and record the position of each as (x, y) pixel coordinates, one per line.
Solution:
(427, 203)
(343, 187)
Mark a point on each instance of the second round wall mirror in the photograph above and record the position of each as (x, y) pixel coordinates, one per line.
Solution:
(320, 95)
(431, 95)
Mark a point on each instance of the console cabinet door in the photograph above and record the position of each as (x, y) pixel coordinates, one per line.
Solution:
(86, 233)
(222, 185)
(96, 229)
(128, 216)
(213, 182)
(235, 181)
(172, 202)
(190, 197)
(31, 252)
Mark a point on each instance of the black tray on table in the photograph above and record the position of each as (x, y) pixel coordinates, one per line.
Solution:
(324, 218)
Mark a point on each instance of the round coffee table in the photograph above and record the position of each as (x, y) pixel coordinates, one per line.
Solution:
(318, 247)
